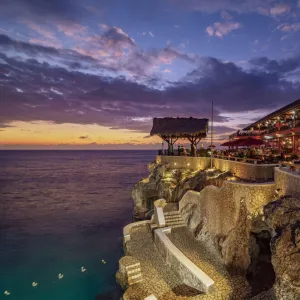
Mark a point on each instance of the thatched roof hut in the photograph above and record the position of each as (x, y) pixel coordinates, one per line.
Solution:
(171, 129)
(179, 127)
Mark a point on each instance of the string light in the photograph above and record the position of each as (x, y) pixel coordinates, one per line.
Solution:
(60, 276)
(34, 284)
(103, 261)
(83, 269)
(6, 293)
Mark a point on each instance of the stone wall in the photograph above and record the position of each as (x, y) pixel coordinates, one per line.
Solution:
(240, 169)
(288, 182)
(185, 162)
(222, 217)
(187, 271)
(245, 170)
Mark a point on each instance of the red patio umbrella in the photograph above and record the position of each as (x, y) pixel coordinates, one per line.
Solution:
(228, 144)
(248, 142)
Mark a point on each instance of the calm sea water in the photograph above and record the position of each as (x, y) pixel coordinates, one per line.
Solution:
(60, 211)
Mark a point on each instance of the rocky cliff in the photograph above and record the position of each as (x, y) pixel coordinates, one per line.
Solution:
(170, 184)
(283, 218)
(254, 235)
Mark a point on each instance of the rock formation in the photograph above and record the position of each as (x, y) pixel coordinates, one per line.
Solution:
(254, 233)
(260, 243)
(283, 217)
(162, 183)
(170, 184)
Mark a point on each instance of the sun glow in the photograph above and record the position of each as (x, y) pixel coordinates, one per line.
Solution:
(42, 133)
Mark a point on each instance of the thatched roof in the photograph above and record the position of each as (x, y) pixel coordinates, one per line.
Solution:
(179, 127)
(274, 114)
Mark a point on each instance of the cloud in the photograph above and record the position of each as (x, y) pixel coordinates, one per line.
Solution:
(113, 52)
(274, 66)
(220, 29)
(45, 32)
(289, 27)
(223, 129)
(61, 94)
(116, 36)
(261, 7)
(210, 31)
(45, 43)
(225, 15)
(3, 125)
(71, 28)
(280, 9)
(103, 27)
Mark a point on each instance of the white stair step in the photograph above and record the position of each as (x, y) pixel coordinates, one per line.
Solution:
(133, 281)
(135, 276)
(134, 271)
(134, 266)
(173, 219)
(171, 213)
(175, 223)
(175, 226)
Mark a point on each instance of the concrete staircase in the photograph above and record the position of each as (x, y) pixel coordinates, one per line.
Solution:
(173, 219)
(129, 271)
(134, 274)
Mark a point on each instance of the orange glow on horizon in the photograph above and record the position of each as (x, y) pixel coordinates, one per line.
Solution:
(46, 133)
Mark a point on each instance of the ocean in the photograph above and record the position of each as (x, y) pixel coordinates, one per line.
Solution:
(62, 215)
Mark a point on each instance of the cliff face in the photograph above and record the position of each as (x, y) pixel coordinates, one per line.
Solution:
(252, 235)
(283, 217)
(170, 184)
(224, 218)
(163, 183)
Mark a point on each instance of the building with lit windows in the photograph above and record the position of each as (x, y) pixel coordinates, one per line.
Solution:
(280, 129)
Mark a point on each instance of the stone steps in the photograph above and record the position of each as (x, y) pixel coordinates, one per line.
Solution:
(173, 219)
(137, 277)
(171, 213)
(177, 218)
(134, 272)
(130, 268)
(134, 281)
(177, 226)
(175, 223)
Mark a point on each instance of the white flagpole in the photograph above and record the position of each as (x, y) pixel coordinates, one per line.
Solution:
(211, 134)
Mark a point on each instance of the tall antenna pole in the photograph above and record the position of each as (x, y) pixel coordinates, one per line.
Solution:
(211, 134)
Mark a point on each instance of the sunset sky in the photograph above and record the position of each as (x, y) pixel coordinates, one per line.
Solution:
(92, 74)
